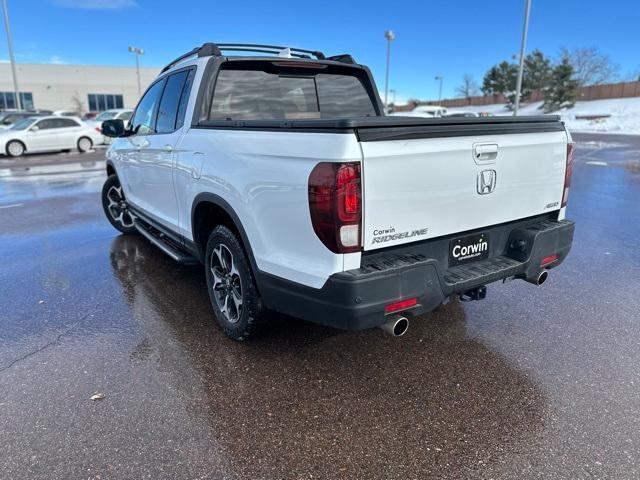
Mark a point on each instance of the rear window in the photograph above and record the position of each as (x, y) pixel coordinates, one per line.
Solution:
(290, 94)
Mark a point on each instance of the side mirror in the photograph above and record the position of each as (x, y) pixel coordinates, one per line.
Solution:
(35, 128)
(113, 128)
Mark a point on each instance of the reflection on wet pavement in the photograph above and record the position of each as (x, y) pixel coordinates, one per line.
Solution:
(530, 383)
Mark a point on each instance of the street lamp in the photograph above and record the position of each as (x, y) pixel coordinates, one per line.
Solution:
(525, 28)
(137, 52)
(390, 36)
(5, 11)
(441, 78)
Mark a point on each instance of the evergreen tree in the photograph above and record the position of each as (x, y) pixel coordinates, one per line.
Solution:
(537, 71)
(502, 78)
(563, 87)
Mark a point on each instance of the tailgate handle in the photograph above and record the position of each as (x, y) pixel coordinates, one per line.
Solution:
(485, 152)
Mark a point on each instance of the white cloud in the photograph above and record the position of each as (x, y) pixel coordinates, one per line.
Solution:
(96, 4)
(56, 60)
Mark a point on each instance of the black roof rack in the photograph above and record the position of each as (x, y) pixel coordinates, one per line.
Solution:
(208, 49)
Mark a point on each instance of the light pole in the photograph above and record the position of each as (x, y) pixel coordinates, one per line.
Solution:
(390, 36)
(137, 52)
(5, 11)
(525, 28)
(441, 78)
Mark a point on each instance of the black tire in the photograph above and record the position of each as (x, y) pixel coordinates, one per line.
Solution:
(82, 144)
(15, 148)
(239, 323)
(115, 207)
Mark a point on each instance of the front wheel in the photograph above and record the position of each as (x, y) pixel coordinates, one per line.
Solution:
(115, 206)
(15, 148)
(232, 289)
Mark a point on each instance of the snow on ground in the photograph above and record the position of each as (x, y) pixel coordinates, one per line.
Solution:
(624, 119)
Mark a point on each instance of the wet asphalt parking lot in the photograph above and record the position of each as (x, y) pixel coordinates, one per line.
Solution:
(533, 382)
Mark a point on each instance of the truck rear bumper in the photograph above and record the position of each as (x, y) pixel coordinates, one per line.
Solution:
(357, 299)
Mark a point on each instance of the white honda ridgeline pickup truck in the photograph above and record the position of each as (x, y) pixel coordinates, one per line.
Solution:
(281, 174)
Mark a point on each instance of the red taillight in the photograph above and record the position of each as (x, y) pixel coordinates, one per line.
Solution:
(335, 205)
(98, 129)
(548, 260)
(567, 174)
(401, 305)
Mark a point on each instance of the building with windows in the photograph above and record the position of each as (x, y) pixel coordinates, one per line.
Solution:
(90, 88)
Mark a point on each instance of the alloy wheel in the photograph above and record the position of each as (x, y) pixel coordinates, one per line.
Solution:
(227, 286)
(118, 207)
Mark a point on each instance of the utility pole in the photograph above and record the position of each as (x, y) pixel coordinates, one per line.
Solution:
(441, 78)
(523, 44)
(390, 36)
(137, 52)
(5, 11)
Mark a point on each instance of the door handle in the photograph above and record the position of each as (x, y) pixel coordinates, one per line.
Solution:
(168, 148)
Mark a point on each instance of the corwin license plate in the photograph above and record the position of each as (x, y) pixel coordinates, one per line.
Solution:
(468, 249)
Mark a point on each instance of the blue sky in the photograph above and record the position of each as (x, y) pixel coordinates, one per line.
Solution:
(448, 38)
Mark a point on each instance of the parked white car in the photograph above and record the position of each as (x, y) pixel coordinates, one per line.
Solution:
(123, 114)
(460, 114)
(65, 113)
(428, 111)
(50, 133)
(8, 119)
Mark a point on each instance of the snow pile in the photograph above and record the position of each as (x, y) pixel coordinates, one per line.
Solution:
(624, 114)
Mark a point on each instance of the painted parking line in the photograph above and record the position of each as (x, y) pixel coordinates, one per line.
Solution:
(597, 163)
(12, 205)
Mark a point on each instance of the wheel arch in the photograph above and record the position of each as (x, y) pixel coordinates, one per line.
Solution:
(210, 210)
(111, 169)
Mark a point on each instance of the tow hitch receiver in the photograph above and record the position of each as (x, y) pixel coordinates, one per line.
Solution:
(477, 293)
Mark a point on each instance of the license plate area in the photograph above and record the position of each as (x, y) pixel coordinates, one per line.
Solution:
(469, 248)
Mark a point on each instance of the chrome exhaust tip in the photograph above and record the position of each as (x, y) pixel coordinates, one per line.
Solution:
(540, 278)
(396, 326)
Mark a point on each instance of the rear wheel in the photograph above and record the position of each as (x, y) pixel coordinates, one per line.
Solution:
(15, 148)
(115, 206)
(84, 144)
(232, 289)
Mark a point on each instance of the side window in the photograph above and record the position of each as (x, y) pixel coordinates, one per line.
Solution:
(144, 119)
(46, 124)
(184, 98)
(169, 103)
(66, 123)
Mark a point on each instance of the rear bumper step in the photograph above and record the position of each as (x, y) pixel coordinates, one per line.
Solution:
(356, 299)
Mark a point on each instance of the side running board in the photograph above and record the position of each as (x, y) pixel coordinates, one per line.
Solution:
(164, 243)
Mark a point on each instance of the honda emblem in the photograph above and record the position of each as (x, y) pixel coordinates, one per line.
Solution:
(486, 181)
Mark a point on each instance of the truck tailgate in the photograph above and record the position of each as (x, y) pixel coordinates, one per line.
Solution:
(421, 183)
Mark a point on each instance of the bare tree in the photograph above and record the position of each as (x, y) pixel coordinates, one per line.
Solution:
(78, 104)
(590, 66)
(468, 88)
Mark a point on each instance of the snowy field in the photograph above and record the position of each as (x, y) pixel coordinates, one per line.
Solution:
(624, 119)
